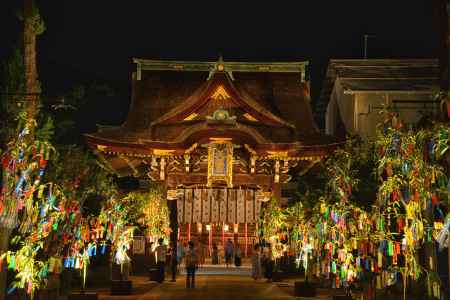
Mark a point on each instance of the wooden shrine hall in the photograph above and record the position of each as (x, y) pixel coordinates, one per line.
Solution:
(221, 137)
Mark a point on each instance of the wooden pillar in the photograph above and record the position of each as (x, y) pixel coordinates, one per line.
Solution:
(188, 231)
(223, 234)
(276, 191)
(172, 205)
(246, 239)
(210, 237)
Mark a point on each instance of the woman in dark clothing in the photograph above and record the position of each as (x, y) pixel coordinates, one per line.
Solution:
(191, 261)
(269, 263)
(228, 252)
(237, 256)
(215, 254)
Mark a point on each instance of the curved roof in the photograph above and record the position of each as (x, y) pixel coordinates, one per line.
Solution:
(169, 105)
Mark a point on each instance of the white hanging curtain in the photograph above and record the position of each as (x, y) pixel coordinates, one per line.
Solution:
(217, 206)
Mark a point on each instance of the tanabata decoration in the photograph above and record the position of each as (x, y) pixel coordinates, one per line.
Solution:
(23, 205)
(48, 216)
(443, 237)
(30, 271)
(273, 227)
(344, 242)
(412, 182)
(153, 213)
(337, 239)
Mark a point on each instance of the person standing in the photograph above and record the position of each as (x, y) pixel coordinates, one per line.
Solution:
(237, 256)
(174, 261)
(269, 262)
(215, 254)
(228, 252)
(161, 253)
(191, 262)
(201, 252)
(221, 253)
(256, 263)
(180, 252)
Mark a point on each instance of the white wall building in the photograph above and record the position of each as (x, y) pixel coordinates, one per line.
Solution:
(358, 89)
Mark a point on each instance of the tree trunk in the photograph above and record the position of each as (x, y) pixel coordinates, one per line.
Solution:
(29, 59)
(31, 102)
(4, 241)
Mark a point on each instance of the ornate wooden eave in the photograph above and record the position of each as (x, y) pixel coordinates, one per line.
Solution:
(288, 151)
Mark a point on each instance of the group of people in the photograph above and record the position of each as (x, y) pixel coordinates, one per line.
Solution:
(193, 257)
(218, 253)
(187, 254)
(228, 253)
(262, 261)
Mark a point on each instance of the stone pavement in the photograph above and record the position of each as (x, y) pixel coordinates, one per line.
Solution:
(216, 287)
(245, 270)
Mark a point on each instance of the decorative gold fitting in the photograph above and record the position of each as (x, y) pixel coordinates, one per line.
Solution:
(163, 152)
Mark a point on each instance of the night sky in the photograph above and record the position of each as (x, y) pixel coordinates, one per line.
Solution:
(94, 40)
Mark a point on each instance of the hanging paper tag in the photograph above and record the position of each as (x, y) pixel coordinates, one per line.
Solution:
(390, 249)
(12, 262)
(380, 259)
(51, 264)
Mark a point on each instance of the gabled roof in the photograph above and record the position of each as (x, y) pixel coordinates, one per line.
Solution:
(220, 81)
(171, 107)
(363, 75)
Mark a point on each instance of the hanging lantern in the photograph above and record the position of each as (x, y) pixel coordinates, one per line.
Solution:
(225, 227)
(208, 227)
(236, 228)
(199, 227)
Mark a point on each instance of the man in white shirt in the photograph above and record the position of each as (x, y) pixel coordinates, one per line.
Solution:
(161, 253)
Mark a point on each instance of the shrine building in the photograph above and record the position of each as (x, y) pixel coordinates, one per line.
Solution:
(221, 137)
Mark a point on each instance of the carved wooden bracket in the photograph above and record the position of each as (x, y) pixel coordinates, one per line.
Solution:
(162, 169)
(187, 158)
(276, 178)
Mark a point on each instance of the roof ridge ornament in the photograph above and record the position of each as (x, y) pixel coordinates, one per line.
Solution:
(221, 115)
(220, 66)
